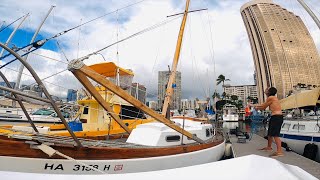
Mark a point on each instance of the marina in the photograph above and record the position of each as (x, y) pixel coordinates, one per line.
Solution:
(80, 98)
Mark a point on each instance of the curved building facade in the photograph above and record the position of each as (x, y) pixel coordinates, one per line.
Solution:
(283, 50)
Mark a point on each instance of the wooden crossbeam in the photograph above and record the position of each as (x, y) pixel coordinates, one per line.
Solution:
(123, 94)
(107, 106)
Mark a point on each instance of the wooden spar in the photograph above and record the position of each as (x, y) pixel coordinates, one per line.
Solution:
(78, 65)
(169, 91)
(107, 106)
(45, 91)
(20, 102)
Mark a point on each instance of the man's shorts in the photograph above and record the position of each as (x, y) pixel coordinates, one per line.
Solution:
(275, 124)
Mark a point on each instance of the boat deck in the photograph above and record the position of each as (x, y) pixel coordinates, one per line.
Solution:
(292, 158)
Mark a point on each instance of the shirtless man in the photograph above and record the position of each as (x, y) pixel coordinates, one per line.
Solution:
(275, 121)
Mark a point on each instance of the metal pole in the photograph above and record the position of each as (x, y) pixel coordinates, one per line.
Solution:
(38, 80)
(23, 94)
(32, 40)
(20, 103)
(13, 32)
(313, 16)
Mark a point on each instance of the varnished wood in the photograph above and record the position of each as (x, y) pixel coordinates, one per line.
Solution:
(18, 148)
(123, 94)
(169, 91)
(107, 106)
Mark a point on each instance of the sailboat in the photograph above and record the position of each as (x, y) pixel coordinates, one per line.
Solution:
(302, 134)
(151, 146)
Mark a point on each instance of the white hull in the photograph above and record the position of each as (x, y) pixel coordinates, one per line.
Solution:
(298, 133)
(60, 166)
(298, 145)
(230, 125)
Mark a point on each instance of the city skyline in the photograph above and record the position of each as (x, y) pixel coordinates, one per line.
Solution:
(228, 53)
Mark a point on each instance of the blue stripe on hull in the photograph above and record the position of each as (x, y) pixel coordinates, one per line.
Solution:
(299, 137)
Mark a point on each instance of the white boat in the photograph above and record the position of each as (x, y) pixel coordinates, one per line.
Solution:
(249, 167)
(149, 147)
(152, 136)
(302, 130)
(43, 115)
(230, 117)
(298, 133)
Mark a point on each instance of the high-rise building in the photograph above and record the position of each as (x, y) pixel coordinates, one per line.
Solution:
(139, 92)
(255, 78)
(153, 105)
(243, 92)
(12, 84)
(283, 50)
(163, 77)
(71, 95)
(188, 104)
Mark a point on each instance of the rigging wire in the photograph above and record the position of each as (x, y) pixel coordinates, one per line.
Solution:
(37, 44)
(93, 53)
(129, 37)
(12, 23)
(58, 44)
(196, 72)
(3, 23)
(79, 35)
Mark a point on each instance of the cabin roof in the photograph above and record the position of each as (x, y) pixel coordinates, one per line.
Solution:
(109, 69)
(302, 99)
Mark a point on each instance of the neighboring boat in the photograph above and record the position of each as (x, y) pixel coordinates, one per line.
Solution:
(149, 147)
(94, 121)
(230, 117)
(43, 115)
(302, 134)
(297, 134)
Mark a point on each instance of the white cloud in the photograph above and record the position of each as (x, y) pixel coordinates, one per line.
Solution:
(152, 51)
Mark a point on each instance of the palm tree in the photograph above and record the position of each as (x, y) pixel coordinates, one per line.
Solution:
(223, 95)
(222, 79)
(216, 95)
(234, 98)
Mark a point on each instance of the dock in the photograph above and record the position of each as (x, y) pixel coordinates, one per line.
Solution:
(292, 158)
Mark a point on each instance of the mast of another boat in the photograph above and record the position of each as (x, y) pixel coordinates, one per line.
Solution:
(313, 16)
(13, 33)
(3, 22)
(32, 40)
(169, 91)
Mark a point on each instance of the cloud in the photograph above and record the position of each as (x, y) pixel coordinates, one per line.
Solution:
(215, 40)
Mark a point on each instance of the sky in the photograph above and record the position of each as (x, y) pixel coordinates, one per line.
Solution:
(215, 40)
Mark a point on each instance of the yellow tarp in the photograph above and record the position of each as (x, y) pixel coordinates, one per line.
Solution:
(304, 98)
(109, 69)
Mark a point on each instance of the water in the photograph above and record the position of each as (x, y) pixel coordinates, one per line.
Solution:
(254, 127)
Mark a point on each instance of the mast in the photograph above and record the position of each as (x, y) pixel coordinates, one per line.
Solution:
(13, 32)
(32, 40)
(169, 91)
(313, 16)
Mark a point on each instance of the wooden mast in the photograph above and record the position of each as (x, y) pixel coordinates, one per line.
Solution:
(78, 68)
(169, 91)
